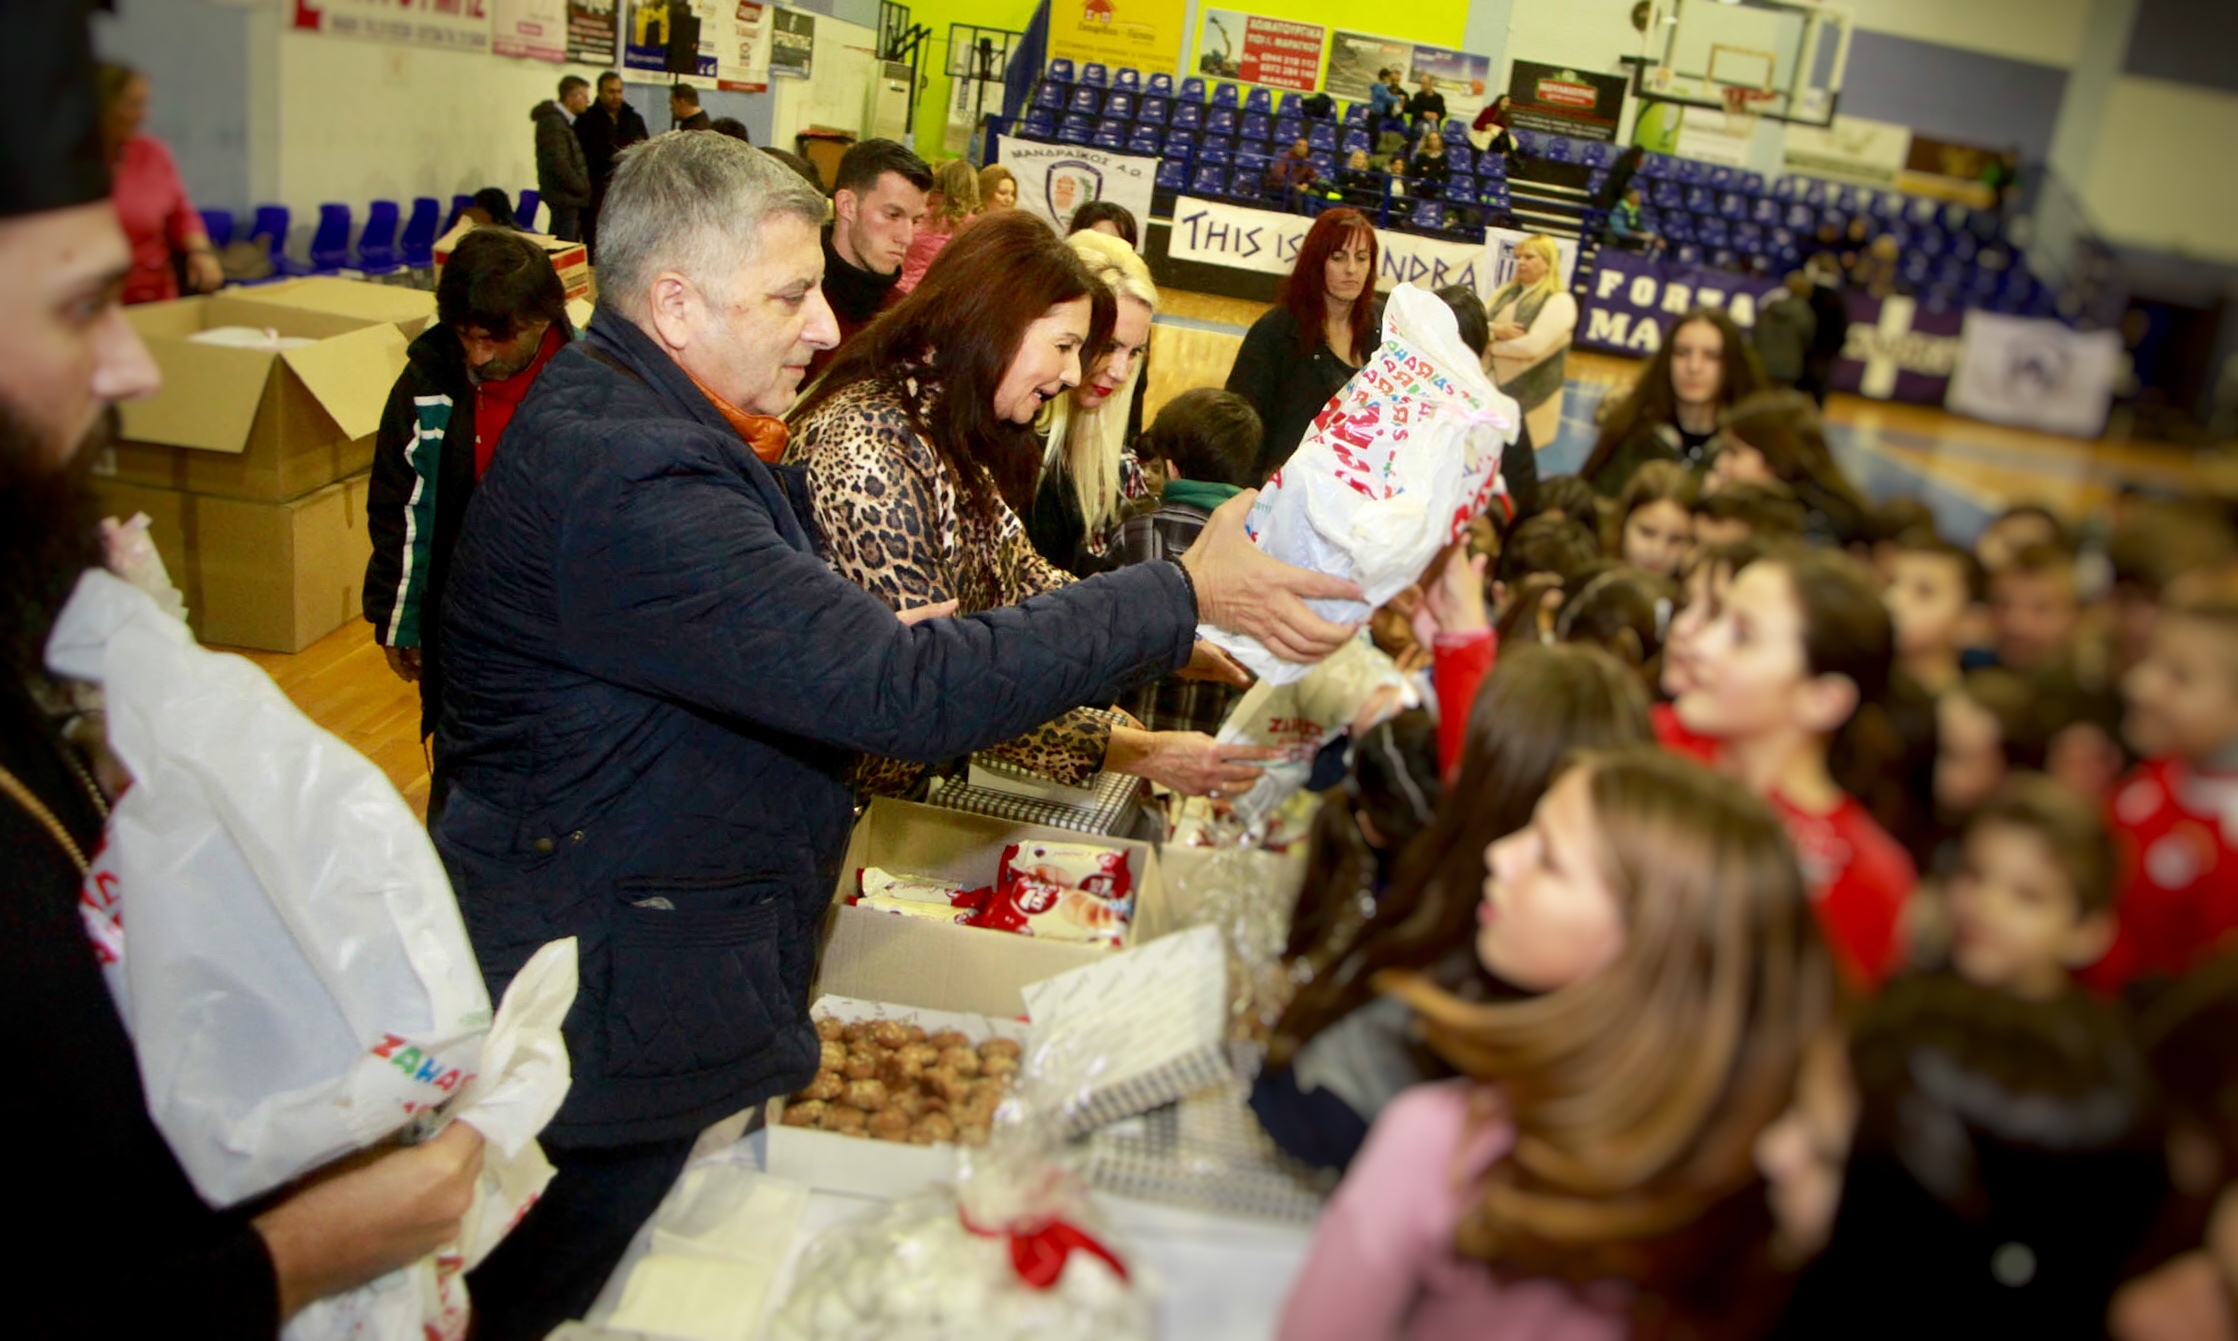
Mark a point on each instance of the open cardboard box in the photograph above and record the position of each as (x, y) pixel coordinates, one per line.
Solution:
(859, 1165)
(257, 424)
(571, 259)
(412, 311)
(914, 961)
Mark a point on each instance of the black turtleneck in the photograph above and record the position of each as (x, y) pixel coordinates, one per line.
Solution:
(856, 296)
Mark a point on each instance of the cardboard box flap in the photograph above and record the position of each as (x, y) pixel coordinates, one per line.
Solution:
(410, 310)
(351, 375)
(307, 322)
(209, 398)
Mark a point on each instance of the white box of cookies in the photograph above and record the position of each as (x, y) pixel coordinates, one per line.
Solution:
(900, 1089)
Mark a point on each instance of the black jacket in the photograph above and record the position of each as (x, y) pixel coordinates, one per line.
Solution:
(656, 691)
(563, 176)
(93, 1163)
(603, 136)
(1288, 389)
(699, 120)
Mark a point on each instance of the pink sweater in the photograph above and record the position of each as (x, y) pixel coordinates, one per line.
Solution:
(1383, 1265)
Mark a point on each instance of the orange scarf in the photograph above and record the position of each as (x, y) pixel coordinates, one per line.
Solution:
(766, 434)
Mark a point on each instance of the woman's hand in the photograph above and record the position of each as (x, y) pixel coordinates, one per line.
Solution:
(1508, 330)
(204, 274)
(1188, 762)
(1241, 590)
(1210, 661)
(916, 615)
(1454, 604)
(353, 1226)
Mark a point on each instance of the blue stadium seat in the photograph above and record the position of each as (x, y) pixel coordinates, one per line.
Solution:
(1814, 192)
(1217, 149)
(1254, 157)
(1160, 84)
(1321, 137)
(1224, 96)
(1152, 110)
(1651, 219)
(1040, 124)
(1678, 226)
(1460, 186)
(1954, 216)
(1354, 138)
(217, 225)
(1188, 115)
(1752, 183)
(1598, 154)
(418, 244)
(459, 205)
(330, 243)
(1492, 165)
(1059, 70)
(1721, 178)
(1931, 242)
(1182, 140)
(1657, 167)
(1085, 100)
(1724, 258)
(1785, 187)
(1712, 231)
(525, 207)
(1173, 175)
(1259, 100)
(1667, 195)
(1802, 218)
(1211, 180)
(1095, 73)
(1356, 115)
(1127, 79)
(1764, 210)
(1888, 205)
(1120, 106)
(1965, 246)
(1494, 192)
(1290, 104)
(1254, 126)
(1287, 128)
(1220, 120)
(1687, 254)
(1248, 183)
(1699, 199)
(1557, 149)
(1596, 181)
(1077, 130)
(1192, 89)
(1733, 205)
(1428, 214)
(1110, 135)
(1323, 162)
(376, 246)
(1689, 172)
(1461, 158)
(1146, 142)
(1454, 131)
(1843, 198)
(1921, 209)
(1050, 94)
(1749, 237)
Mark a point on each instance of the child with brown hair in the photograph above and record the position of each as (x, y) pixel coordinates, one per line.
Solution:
(1654, 519)
(1747, 510)
(1933, 589)
(1592, 1168)
(2177, 813)
(1776, 437)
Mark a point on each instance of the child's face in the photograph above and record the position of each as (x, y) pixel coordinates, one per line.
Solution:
(1713, 532)
(1969, 755)
(2183, 697)
(1927, 601)
(1706, 589)
(1746, 663)
(1656, 536)
(2007, 536)
(1549, 918)
(2035, 616)
(1802, 1153)
(2016, 925)
(1738, 463)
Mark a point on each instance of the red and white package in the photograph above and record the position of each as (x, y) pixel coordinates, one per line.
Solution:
(1101, 871)
(1046, 911)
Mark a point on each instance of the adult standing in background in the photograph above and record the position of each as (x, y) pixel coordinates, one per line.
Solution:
(952, 203)
(563, 174)
(1321, 328)
(1387, 101)
(657, 691)
(998, 189)
(877, 201)
(1831, 330)
(1785, 328)
(1533, 319)
(608, 127)
(159, 222)
(1426, 109)
(684, 109)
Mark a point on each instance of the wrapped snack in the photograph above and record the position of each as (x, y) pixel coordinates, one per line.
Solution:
(1052, 912)
(1301, 717)
(881, 884)
(937, 912)
(1390, 473)
(1101, 871)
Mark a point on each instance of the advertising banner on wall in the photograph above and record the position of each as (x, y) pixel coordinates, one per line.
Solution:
(455, 25)
(592, 30)
(530, 29)
(1144, 34)
(2035, 373)
(1055, 180)
(792, 42)
(1851, 149)
(1898, 350)
(742, 53)
(1499, 257)
(1461, 79)
(654, 23)
(1354, 59)
(1212, 233)
(1275, 52)
(1562, 101)
(1635, 299)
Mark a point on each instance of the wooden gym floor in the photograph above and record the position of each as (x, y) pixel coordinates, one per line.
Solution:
(1966, 471)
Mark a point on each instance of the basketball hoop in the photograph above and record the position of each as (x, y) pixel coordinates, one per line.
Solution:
(1743, 106)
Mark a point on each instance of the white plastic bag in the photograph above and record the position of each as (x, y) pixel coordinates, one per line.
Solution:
(280, 938)
(1391, 471)
(523, 1078)
(1302, 716)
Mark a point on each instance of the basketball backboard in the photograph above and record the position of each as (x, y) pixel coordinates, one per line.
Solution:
(1791, 52)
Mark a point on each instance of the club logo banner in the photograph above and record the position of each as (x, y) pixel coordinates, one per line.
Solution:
(1212, 233)
(2035, 373)
(1055, 180)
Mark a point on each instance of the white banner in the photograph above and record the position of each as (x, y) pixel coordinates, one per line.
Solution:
(1055, 180)
(1212, 233)
(457, 25)
(1852, 149)
(532, 29)
(1499, 257)
(742, 47)
(2034, 373)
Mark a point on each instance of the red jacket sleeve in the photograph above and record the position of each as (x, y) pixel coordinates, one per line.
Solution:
(1460, 664)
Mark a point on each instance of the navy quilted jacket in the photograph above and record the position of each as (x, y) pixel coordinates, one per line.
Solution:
(655, 690)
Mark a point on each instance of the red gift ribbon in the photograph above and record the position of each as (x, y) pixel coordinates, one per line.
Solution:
(1039, 1255)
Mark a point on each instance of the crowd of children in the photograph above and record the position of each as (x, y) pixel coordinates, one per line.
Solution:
(1811, 925)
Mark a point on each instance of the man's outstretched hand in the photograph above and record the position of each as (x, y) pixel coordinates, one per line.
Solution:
(1241, 590)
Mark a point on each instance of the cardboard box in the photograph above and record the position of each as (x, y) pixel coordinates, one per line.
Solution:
(251, 423)
(857, 1165)
(276, 577)
(912, 961)
(411, 311)
(571, 259)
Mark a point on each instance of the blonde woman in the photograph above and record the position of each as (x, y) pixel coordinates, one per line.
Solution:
(954, 202)
(1533, 319)
(1087, 471)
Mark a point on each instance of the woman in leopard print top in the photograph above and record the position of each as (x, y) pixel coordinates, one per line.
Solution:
(914, 489)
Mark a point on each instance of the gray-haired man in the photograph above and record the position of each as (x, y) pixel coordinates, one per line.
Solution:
(657, 689)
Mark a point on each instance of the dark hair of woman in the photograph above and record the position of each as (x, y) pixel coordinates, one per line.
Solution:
(1625, 612)
(1652, 401)
(1539, 705)
(1784, 426)
(1304, 291)
(956, 334)
(1105, 211)
(1391, 793)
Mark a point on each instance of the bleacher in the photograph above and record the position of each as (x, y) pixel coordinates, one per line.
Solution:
(1216, 141)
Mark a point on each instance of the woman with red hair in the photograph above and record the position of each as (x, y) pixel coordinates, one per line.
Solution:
(1321, 328)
